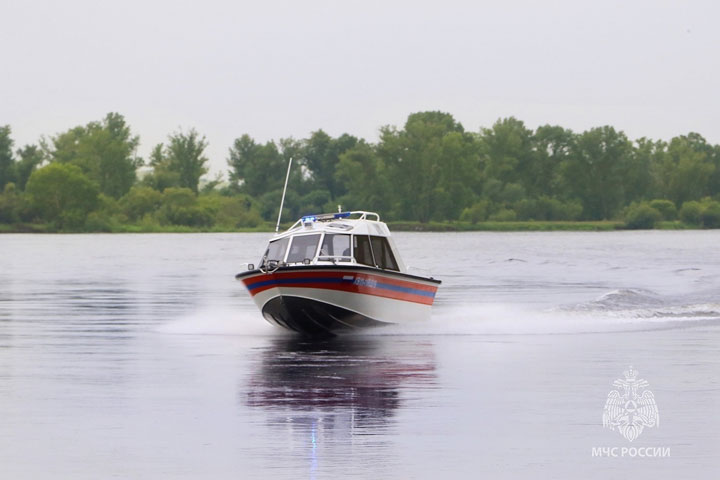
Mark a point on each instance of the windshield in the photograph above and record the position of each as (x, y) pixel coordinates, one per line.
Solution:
(276, 250)
(302, 247)
(336, 245)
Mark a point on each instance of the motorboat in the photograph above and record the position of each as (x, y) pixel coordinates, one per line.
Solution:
(335, 273)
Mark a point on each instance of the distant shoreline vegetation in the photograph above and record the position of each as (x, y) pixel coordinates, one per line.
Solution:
(429, 175)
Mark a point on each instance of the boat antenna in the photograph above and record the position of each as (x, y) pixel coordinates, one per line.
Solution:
(287, 176)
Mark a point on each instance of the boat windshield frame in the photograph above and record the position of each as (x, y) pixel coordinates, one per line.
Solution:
(324, 253)
(279, 243)
(330, 255)
(297, 239)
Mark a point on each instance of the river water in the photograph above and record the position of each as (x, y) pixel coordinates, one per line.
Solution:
(140, 357)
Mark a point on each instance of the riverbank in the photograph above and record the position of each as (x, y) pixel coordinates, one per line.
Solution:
(529, 226)
(396, 226)
(49, 228)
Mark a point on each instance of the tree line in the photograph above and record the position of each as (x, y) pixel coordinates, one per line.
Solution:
(89, 178)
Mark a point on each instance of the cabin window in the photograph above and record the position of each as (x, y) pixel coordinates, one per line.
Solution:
(363, 253)
(374, 251)
(383, 253)
(336, 245)
(276, 250)
(302, 247)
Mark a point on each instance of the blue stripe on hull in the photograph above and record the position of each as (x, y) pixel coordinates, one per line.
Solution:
(335, 280)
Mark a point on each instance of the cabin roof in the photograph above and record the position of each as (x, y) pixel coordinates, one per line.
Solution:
(355, 222)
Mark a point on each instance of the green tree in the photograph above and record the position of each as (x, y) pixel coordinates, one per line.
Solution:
(238, 211)
(62, 194)
(105, 151)
(162, 176)
(429, 163)
(28, 159)
(9, 204)
(213, 184)
(362, 175)
(551, 147)
(254, 167)
(548, 208)
(63, 147)
(641, 216)
(322, 155)
(184, 154)
(690, 212)
(687, 169)
(508, 151)
(713, 156)
(595, 171)
(710, 215)
(140, 201)
(667, 209)
(7, 173)
(641, 180)
(180, 207)
(478, 212)
(300, 177)
(259, 171)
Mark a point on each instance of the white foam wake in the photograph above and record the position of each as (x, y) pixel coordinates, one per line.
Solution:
(219, 321)
(606, 314)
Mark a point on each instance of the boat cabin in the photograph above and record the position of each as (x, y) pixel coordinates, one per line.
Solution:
(345, 238)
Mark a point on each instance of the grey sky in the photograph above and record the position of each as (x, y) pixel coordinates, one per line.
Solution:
(275, 69)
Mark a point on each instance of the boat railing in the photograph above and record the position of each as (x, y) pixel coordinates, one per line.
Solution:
(326, 217)
(269, 266)
(363, 215)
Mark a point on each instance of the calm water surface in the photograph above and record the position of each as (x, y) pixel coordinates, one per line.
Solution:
(140, 356)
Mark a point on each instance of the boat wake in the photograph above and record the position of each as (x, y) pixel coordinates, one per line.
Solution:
(624, 299)
(643, 307)
(615, 311)
(218, 321)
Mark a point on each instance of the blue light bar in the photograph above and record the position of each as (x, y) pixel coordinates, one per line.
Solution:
(342, 215)
(309, 219)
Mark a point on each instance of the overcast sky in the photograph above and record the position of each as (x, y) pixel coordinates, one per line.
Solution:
(276, 69)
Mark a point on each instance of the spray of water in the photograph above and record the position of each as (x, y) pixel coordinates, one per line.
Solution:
(219, 321)
(615, 311)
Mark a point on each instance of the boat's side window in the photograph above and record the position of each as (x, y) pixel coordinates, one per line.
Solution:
(363, 252)
(383, 253)
(336, 245)
(302, 247)
(276, 250)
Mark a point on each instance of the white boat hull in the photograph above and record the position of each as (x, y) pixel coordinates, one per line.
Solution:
(328, 300)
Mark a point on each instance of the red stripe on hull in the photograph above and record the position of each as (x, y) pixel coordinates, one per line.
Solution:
(340, 274)
(345, 286)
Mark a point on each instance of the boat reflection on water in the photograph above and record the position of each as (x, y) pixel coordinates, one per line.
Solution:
(363, 374)
(331, 395)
